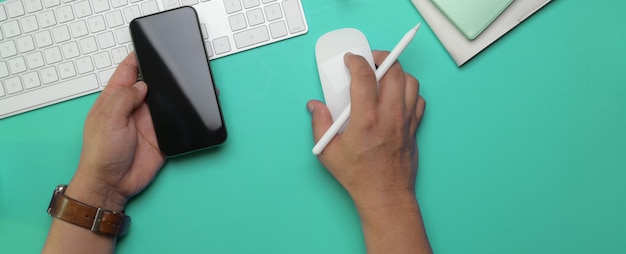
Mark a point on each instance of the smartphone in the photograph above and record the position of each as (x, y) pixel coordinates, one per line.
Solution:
(181, 95)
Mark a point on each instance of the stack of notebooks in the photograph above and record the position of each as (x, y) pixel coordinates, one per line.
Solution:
(466, 27)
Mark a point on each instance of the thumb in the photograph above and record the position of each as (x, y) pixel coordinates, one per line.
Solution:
(126, 99)
(320, 118)
(139, 93)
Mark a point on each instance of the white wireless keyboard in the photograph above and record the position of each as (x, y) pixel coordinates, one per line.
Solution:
(55, 50)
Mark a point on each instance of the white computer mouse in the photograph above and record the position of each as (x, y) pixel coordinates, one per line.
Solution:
(334, 75)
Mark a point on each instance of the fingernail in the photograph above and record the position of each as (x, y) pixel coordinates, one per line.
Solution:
(310, 107)
(349, 54)
(141, 86)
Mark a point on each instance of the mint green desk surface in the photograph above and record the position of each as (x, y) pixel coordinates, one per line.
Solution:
(523, 150)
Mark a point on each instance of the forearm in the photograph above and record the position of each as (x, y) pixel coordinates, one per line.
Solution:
(69, 238)
(394, 229)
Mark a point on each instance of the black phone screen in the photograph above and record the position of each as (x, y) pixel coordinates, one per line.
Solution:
(181, 95)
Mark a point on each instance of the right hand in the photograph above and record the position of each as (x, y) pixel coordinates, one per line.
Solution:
(375, 158)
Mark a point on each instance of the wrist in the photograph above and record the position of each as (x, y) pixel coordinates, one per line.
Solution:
(96, 194)
(380, 200)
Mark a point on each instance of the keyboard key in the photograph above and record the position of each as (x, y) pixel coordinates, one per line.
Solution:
(209, 50)
(189, 2)
(100, 5)
(268, 1)
(1, 86)
(88, 45)
(13, 85)
(49, 75)
(31, 80)
(96, 24)
(106, 40)
(278, 29)
(237, 22)
(29, 24)
(78, 29)
(33, 5)
(48, 94)
(17, 65)
(114, 18)
(118, 3)
(53, 55)
(3, 14)
(43, 39)
(51, 3)
(293, 15)
(7, 49)
(25, 44)
(82, 9)
(221, 45)
(250, 37)
(119, 54)
(170, 4)
(4, 70)
(60, 34)
(102, 60)
(11, 29)
(34, 60)
(255, 17)
(131, 13)
(149, 7)
(70, 50)
(273, 12)
(64, 14)
(66, 70)
(105, 76)
(250, 3)
(205, 35)
(84, 65)
(15, 9)
(46, 19)
(232, 6)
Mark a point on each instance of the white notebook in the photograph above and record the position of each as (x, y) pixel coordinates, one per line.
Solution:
(461, 48)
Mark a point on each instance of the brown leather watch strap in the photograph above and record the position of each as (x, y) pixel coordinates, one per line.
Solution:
(95, 219)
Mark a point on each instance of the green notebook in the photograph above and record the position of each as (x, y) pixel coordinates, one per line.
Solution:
(472, 16)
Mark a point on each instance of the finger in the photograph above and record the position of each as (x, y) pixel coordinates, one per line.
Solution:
(419, 114)
(391, 88)
(379, 56)
(363, 88)
(125, 75)
(125, 100)
(321, 118)
(411, 93)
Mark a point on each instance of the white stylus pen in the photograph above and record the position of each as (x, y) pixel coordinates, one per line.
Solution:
(380, 72)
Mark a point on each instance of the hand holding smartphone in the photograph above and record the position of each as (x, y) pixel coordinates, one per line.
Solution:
(181, 96)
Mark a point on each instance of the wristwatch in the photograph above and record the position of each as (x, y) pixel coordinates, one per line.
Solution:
(96, 219)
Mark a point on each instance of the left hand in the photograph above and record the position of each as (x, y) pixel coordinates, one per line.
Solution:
(120, 155)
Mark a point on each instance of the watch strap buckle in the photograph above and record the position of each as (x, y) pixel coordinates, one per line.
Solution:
(95, 227)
